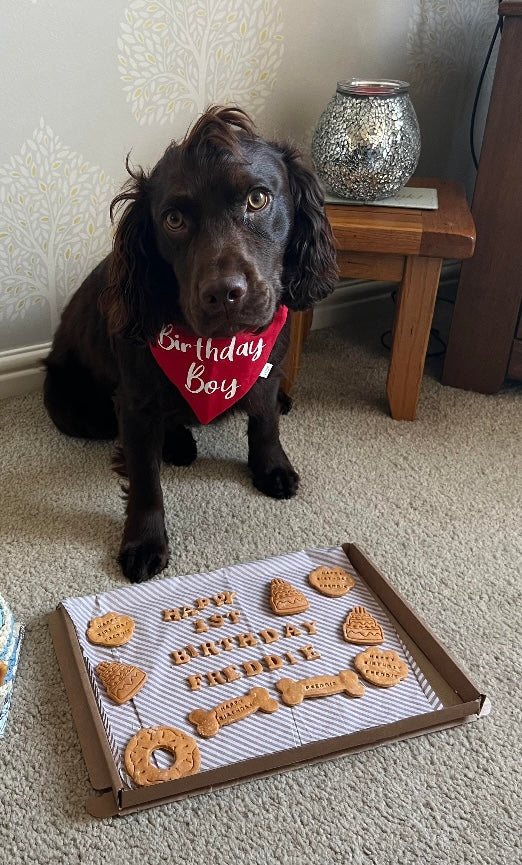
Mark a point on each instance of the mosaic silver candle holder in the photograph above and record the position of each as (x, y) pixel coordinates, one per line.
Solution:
(367, 142)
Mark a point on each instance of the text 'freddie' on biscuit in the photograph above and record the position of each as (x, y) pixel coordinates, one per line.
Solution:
(381, 667)
(332, 582)
(112, 629)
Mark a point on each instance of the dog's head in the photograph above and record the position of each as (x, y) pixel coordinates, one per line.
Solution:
(225, 228)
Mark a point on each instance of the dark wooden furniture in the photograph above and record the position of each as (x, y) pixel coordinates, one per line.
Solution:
(485, 344)
(405, 246)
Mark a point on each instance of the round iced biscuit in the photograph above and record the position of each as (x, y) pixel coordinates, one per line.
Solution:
(381, 667)
(112, 629)
(332, 582)
(139, 751)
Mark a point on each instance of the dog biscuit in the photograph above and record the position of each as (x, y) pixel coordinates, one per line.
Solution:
(208, 723)
(361, 628)
(112, 629)
(294, 692)
(122, 681)
(285, 600)
(381, 667)
(139, 751)
(332, 582)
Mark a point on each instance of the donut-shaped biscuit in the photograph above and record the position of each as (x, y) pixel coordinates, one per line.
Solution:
(140, 748)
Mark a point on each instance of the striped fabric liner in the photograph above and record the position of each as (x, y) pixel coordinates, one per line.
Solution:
(427, 690)
(167, 697)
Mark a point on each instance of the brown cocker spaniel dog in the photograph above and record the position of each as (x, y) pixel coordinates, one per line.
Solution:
(187, 315)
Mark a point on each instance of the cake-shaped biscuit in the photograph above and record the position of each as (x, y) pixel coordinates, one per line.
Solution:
(112, 629)
(361, 628)
(381, 667)
(332, 582)
(122, 681)
(285, 600)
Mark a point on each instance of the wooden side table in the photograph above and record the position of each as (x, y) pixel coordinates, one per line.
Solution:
(485, 346)
(397, 245)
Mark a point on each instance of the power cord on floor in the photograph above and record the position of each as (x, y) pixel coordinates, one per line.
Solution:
(434, 332)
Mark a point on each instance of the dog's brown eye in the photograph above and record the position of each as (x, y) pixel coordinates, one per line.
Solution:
(174, 220)
(257, 199)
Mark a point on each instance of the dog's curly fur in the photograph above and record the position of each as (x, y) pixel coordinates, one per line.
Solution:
(225, 228)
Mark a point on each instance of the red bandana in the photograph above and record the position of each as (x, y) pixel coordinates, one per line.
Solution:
(212, 374)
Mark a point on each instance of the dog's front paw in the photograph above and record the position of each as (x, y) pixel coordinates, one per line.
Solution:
(142, 560)
(144, 550)
(279, 483)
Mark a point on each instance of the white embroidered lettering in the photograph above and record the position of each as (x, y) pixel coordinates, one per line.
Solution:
(169, 343)
(251, 349)
(258, 350)
(195, 373)
(165, 334)
(210, 351)
(227, 353)
(195, 383)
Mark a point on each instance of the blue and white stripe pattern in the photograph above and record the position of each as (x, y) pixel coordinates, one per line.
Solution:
(11, 634)
(167, 697)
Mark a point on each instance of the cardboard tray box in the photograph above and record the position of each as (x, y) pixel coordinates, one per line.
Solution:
(461, 699)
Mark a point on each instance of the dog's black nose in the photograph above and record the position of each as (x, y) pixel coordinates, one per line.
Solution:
(222, 292)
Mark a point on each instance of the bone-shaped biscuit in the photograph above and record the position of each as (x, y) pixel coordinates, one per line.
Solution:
(293, 693)
(208, 722)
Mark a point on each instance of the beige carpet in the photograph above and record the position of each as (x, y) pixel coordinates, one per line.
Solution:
(437, 505)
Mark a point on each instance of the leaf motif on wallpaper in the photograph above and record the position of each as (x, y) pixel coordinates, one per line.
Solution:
(54, 225)
(186, 54)
(447, 40)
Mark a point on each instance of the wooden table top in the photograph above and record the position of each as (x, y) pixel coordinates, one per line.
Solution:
(448, 232)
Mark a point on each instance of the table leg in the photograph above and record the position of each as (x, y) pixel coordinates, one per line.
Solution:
(300, 324)
(411, 330)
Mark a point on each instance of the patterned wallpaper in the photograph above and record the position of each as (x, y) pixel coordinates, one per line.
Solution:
(85, 83)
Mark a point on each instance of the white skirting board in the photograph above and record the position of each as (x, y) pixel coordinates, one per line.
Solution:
(21, 369)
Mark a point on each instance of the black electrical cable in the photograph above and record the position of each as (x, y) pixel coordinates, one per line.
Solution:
(434, 334)
(498, 29)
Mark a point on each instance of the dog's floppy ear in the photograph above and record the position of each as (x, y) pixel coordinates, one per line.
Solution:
(309, 267)
(128, 301)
